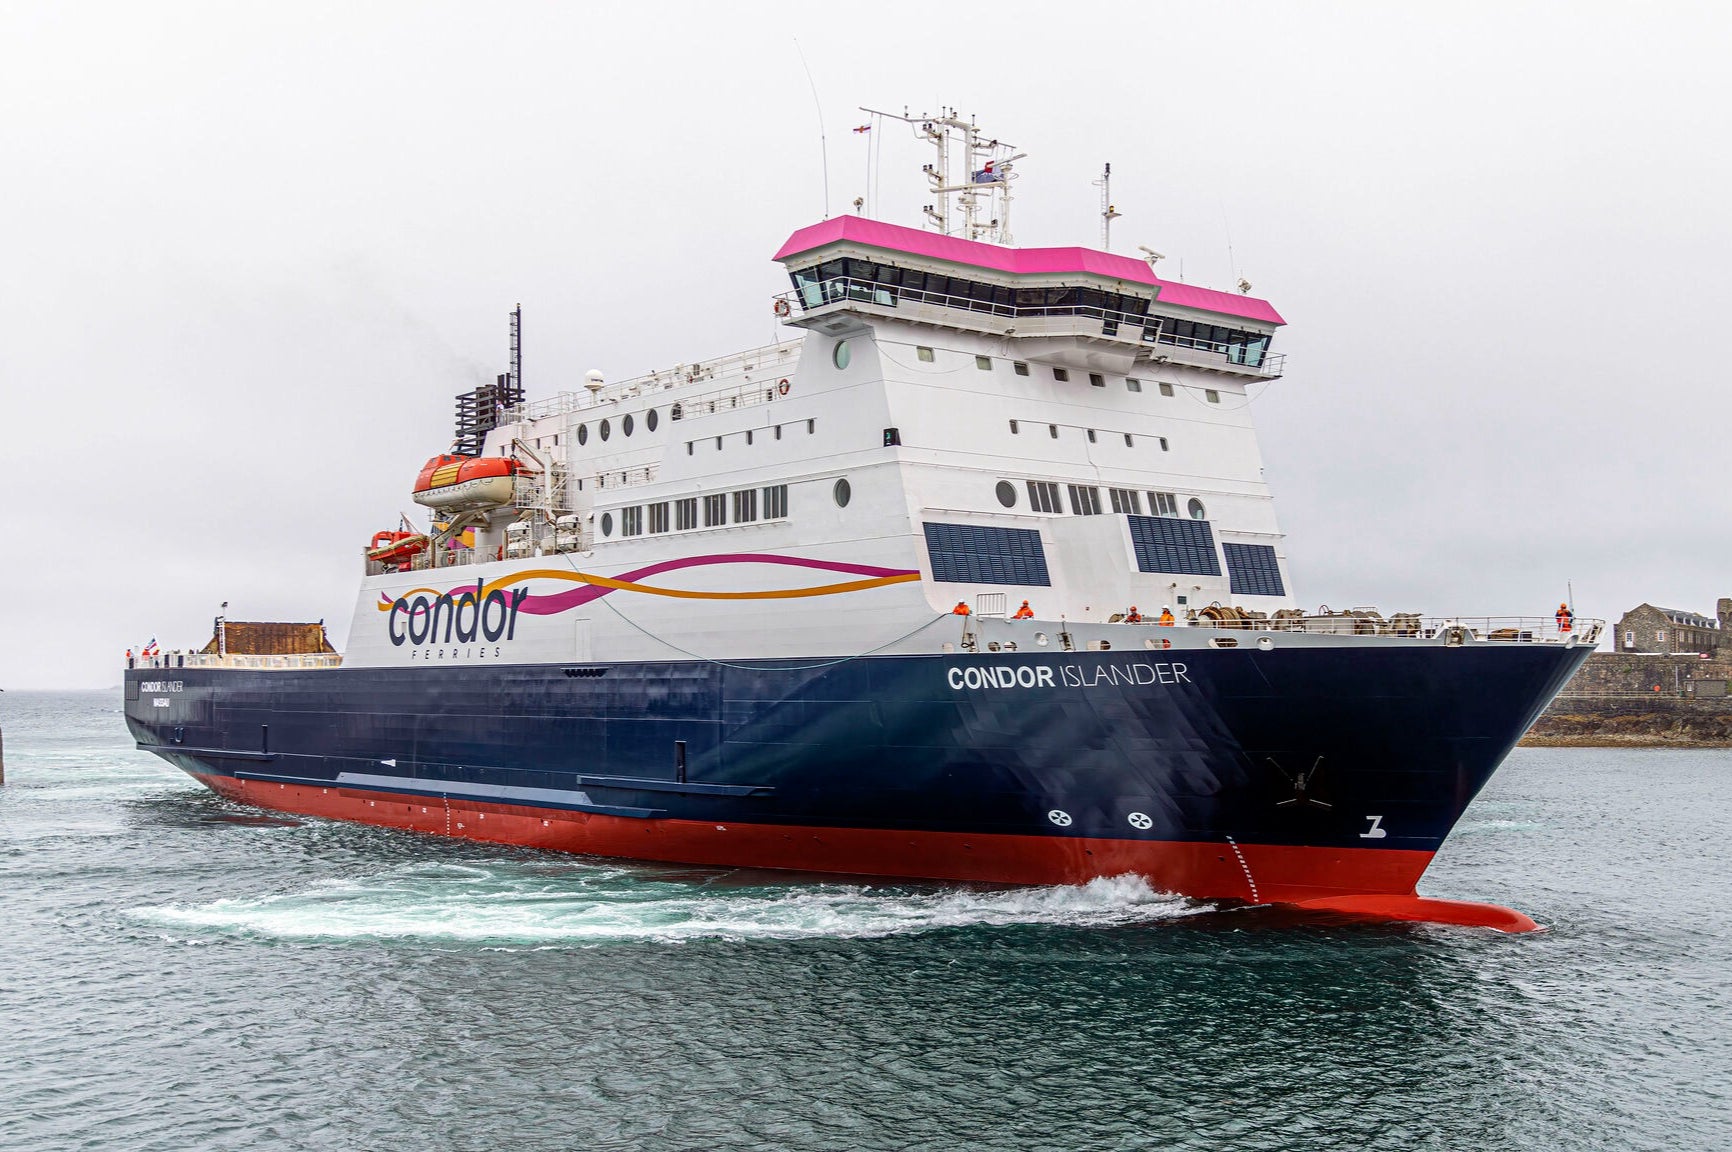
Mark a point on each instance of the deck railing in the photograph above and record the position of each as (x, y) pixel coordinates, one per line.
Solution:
(1501, 629)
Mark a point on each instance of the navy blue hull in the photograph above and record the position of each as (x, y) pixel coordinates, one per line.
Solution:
(1352, 748)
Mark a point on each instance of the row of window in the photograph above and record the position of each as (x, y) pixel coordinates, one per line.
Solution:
(981, 554)
(1085, 500)
(1062, 375)
(748, 506)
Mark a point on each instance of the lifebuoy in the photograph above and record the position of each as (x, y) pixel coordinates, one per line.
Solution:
(782, 386)
(783, 308)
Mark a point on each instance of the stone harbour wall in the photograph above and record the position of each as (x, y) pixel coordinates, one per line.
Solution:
(1622, 700)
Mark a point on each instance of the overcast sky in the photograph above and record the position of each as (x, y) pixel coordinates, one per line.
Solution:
(248, 253)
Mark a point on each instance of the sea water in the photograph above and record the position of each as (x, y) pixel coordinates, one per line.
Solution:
(178, 972)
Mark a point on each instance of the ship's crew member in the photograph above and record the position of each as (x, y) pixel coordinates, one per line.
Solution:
(1166, 620)
(1565, 618)
(1024, 613)
(1133, 616)
(129, 657)
(961, 608)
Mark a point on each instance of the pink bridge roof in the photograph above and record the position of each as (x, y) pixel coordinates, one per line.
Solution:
(1022, 261)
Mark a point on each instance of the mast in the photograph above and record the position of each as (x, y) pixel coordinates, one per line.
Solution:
(1109, 213)
(981, 188)
(517, 351)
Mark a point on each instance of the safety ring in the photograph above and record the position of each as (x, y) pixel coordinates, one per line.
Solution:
(783, 308)
(782, 386)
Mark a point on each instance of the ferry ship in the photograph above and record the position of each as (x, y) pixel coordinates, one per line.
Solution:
(974, 577)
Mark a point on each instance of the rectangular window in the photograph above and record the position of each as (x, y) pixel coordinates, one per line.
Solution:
(811, 426)
(984, 363)
(631, 521)
(1211, 396)
(1013, 427)
(688, 447)
(658, 517)
(1043, 496)
(775, 501)
(1060, 374)
(1163, 504)
(1020, 367)
(1163, 441)
(1252, 570)
(748, 435)
(1126, 500)
(1129, 443)
(1174, 546)
(745, 506)
(715, 510)
(1085, 500)
(976, 554)
(923, 353)
(1096, 380)
(1660, 636)
(1132, 384)
(686, 513)
(778, 431)
(1091, 435)
(1052, 430)
(1166, 389)
(1629, 639)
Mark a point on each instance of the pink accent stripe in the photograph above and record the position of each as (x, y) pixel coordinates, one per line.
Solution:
(560, 601)
(1022, 262)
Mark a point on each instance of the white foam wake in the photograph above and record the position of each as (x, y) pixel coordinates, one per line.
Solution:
(512, 905)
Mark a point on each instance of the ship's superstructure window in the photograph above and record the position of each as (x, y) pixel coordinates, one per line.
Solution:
(1196, 509)
(715, 510)
(1096, 380)
(745, 505)
(748, 435)
(778, 431)
(923, 353)
(625, 424)
(1019, 367)
(1132, 384)
(841, 354)
(689, 448)
(1237, 345)
(631, 521)
(1129, 442)
(775, 501)
(607, 523)
(649, 419)
(603, 429)
(1163, 504)
(984, 363)
(1006, 493)
(583, 433)
(1125, 500)
(811, 426)
(871, 282)
(977, 554)
(1052, 430)
(1085, 499)
(1013, 427)
(1166, 389)
(658, 517)
(686, 513)
(1043, 496)
(1163, 441)
(1091, 435)
(1174, 546)
(842, 492)
(1061, 374)
(1211, 396)
(1253, 570)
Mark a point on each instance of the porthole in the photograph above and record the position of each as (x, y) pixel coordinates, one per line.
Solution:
(625, 424)
(649, 420)
(843, 492)
(583, 433)
(1007, 493)
(607, 523)
(841, 354)
(603, 429)
(1195, 508)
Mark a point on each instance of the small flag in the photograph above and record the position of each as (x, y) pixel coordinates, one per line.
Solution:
(863, 128)
(986, 175)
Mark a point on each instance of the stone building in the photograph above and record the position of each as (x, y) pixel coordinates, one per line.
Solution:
(1670, 631)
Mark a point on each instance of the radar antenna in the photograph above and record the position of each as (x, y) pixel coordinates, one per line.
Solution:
(981, 187)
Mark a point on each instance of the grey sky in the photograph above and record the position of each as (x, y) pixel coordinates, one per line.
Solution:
(248, 254)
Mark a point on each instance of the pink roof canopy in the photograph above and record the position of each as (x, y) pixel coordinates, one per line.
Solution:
(1021, 261)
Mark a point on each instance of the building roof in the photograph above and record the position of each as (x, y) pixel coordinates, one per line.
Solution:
(271, 638)
(1022, 261)
(1682, 617)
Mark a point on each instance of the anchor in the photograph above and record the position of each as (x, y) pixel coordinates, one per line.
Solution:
(1302, 784)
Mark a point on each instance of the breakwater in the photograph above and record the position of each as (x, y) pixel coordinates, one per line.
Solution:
(1640, 701)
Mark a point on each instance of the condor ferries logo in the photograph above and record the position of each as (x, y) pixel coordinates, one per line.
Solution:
(431, 623)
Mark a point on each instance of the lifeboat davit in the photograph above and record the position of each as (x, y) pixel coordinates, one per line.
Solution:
(393, 547)
(466, 482)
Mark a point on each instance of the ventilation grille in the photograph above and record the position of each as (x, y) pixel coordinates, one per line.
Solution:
(1253, 570)
(975, 554)
(1166, 544)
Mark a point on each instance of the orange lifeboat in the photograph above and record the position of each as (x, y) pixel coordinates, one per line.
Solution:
(449, 482)
(395, 547)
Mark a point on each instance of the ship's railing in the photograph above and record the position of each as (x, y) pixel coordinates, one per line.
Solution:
(751, 368)
(170, 661)
(1500, 629)
(1131, 326)
(626, 477)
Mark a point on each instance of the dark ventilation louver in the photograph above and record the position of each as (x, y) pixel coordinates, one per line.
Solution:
(1253, 570)
(1167, 544)
(976, 554)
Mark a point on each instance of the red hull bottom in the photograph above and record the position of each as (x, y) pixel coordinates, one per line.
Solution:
(1371, 882)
